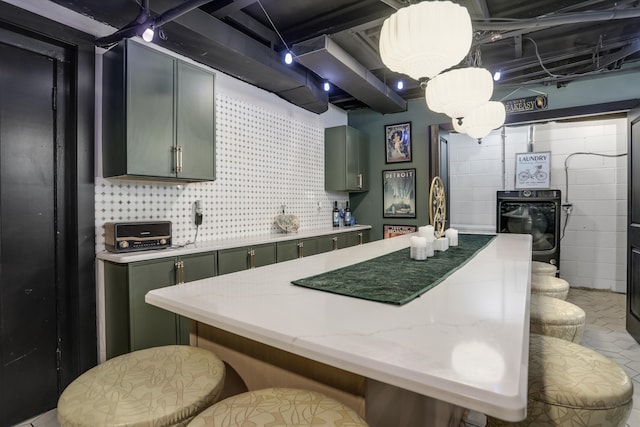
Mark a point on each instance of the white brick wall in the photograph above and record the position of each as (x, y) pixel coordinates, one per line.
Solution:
(593, 250)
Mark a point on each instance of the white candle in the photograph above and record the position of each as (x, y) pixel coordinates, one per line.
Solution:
(430, 251)
(426, 231)
(441, 244)
(452, 235)
(421, 249)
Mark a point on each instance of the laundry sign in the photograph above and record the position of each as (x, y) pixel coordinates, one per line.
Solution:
(533, 170)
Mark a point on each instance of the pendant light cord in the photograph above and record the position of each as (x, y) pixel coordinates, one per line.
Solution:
(273, 25)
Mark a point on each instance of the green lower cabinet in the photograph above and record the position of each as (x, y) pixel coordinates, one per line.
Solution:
(132, 324)
(288, 250)
(238, 259)
(308, 247)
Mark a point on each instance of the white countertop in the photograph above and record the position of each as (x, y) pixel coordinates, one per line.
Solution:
(216, 245)
(465, 341)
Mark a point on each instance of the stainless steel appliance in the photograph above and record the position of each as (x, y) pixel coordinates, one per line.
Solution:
(137, 236)
(535, 212)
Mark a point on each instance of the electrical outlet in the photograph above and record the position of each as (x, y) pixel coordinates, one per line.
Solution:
(198, 212)
(567, 208)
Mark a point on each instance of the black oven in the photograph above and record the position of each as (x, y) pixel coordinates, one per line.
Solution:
(535, 212)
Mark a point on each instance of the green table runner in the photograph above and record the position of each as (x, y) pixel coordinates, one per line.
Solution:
(395, 278)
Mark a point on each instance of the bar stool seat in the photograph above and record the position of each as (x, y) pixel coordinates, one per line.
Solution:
(278, 407)
(543, 268)
(556, 318)
(571, 385)
(160, 386)
(550, 286)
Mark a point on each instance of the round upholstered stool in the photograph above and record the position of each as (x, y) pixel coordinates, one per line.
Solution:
(571, 385)
(554, 317)
(550, 286)
(543, 268)
(278, 407)
(160, 386)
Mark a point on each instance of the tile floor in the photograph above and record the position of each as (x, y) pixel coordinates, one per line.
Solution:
(604, 332)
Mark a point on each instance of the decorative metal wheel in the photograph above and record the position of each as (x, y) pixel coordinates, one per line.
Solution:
(437, 206)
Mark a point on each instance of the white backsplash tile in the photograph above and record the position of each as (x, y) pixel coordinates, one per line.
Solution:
(264, 160)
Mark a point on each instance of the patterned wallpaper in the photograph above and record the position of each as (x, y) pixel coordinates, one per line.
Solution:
(264, 160)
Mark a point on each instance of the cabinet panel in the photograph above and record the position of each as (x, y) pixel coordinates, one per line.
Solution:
(132, 324)
(232, 260)
(150, 109)
(264, 255)
(150, 326)
(159, 117)
(238, 259)
(327, 243)
(199, 266)
(346, 159)
(309, 247)
(286, 251)
(195, 122)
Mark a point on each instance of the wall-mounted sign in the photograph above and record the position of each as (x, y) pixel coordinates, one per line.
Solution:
(533, 170)
(525, 105)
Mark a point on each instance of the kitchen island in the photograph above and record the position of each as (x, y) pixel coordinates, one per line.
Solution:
(462, 344)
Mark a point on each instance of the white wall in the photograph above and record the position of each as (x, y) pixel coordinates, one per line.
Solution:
(593, 249)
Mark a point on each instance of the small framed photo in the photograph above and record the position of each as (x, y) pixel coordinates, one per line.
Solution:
(390, 231)
(533, 170)
(398, 142)
(399, 193)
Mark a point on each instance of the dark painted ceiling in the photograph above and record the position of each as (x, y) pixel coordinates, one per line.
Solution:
(533, 42)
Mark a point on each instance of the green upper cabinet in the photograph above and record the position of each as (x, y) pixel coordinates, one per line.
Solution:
(158, 116)
(346, 159)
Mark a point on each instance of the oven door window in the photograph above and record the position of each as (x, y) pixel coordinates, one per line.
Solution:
(535, 218)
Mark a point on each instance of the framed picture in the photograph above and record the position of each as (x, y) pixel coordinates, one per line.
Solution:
(533, 170)
(397, 230)
(399, 193)
(398, 142)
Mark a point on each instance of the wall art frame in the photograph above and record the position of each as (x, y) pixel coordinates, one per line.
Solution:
(390, 230)
(398, 143)
(399, 193)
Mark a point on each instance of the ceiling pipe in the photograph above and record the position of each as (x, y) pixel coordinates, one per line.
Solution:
(552, 21)
(144, 21)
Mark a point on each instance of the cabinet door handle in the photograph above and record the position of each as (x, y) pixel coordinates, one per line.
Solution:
(179, 272)
(360, 238)
(300, 249)
(179, 152)
(252, 262)
(335, 243)
(360, 180)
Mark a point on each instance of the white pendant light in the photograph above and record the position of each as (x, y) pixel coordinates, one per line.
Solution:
(423, 39)
(458, 92)
(482, 120)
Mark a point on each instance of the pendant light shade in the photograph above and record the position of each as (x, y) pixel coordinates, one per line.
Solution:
(482, 120)
(423, 39)
(458, 92)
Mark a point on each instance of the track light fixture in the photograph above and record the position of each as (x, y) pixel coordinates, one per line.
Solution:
(288, 58)
(400, 85)
(497, 75)
(145, 24)
(147, 35)
(326, 86)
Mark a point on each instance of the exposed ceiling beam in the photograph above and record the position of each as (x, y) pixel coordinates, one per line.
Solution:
(232, 7)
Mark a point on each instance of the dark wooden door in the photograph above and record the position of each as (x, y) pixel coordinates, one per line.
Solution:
(633, 230)
(28, 245)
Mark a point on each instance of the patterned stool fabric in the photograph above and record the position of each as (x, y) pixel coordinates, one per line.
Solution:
(550, 286)
(160, 386)
(571, 385)
(543, 268)
(554, 317)
(278, 407)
